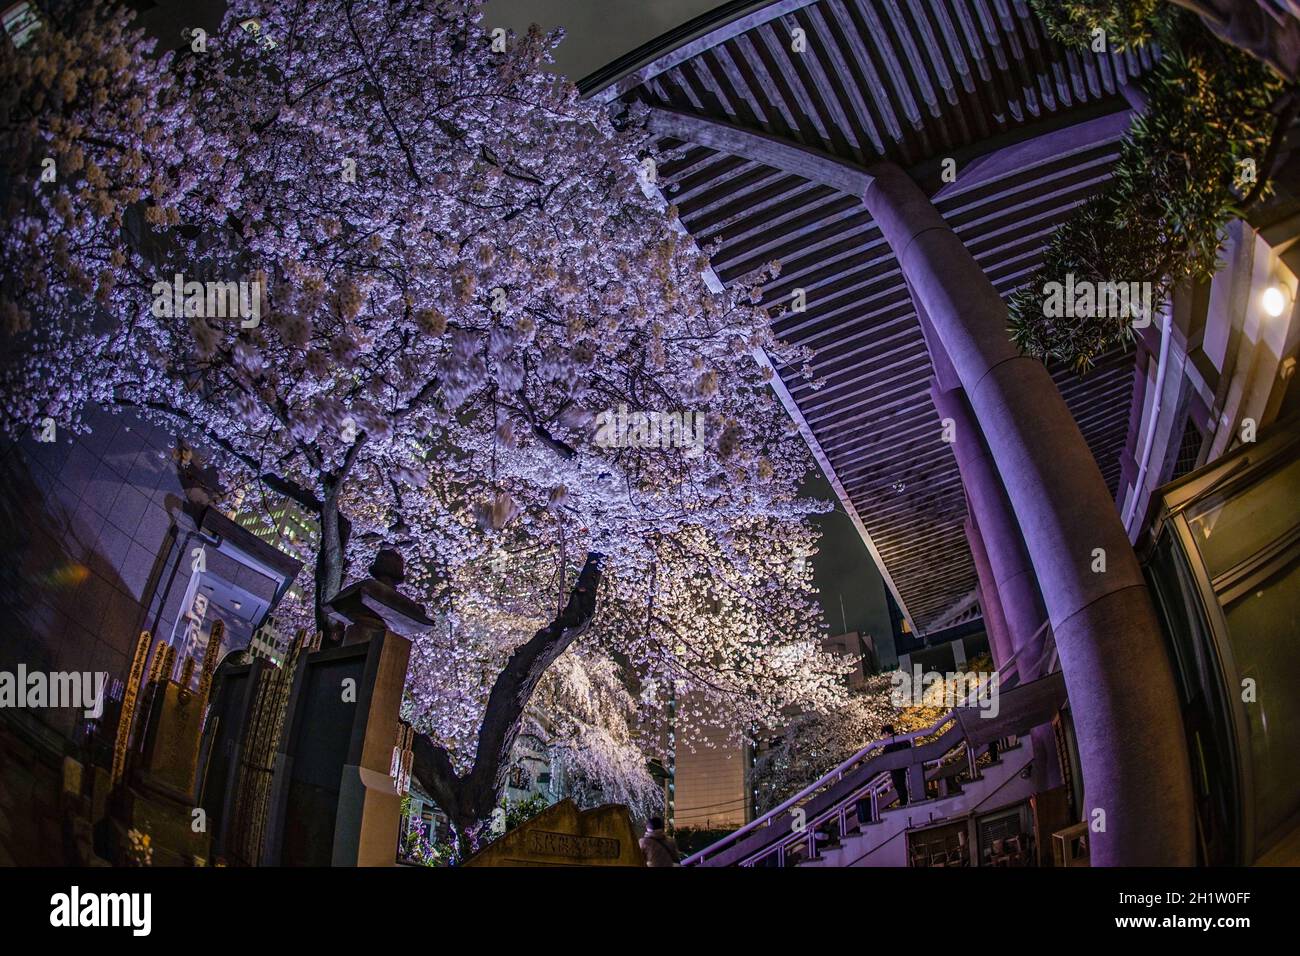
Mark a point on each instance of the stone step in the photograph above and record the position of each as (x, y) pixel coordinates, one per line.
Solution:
(854, 846)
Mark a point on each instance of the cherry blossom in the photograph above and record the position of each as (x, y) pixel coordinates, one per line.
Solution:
(456, 274)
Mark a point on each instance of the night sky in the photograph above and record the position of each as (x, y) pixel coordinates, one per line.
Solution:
(852, 590)
(597, 31)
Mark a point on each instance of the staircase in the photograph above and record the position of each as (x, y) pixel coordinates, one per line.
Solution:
(881, 844)
(969, 760)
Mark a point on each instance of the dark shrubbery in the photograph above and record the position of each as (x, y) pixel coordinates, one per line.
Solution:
(1197, 156)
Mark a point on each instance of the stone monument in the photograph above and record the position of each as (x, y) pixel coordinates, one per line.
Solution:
(563, 835)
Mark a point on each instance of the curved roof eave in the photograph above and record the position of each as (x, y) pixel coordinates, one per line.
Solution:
(770, 165)
(680, 44)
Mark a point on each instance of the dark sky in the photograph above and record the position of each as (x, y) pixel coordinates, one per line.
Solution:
(597, 31)
(852, 590)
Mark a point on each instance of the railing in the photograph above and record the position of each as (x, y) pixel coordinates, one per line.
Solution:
(920, 760)
(877, 784)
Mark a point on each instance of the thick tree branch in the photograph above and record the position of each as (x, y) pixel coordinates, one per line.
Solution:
(1290, 105)
(431, 765)
(470, 799)
(561, 448)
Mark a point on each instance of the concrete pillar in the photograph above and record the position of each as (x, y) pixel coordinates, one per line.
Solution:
(1008, 566)
(1014, 582)
(946, 380)
(1121, 684)
(994, 621)
(1013, 575)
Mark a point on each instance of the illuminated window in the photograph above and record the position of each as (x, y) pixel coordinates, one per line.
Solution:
(21, 20)
(254, 26)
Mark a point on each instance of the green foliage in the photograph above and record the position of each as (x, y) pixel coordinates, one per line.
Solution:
(416, 848)
(1127, 23)
(524, 810)
(1176, 185)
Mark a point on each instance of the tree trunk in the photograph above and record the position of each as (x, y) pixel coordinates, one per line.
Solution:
(331, 560)
(469, 800)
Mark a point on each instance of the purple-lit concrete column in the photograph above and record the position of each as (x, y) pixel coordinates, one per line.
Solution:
(994, 621)
(1014, 583)
(1011, 582)
(946, 380)
(1013, 575)
(1121, 685)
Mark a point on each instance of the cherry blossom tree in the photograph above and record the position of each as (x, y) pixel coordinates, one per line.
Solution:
(90, 125)
(589, 721)
(374, 258)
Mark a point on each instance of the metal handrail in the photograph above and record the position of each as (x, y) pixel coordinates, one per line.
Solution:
(836, 775)
(832, 777)
(840, 809)
(872, 787)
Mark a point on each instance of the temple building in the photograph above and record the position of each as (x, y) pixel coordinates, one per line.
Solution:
(907, 165)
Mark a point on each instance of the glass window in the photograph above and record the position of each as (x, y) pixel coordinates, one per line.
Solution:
(1264, 631)
(21, 21)
(1230, 529)
(1207, 717)
(1241, 535)
(254, 27)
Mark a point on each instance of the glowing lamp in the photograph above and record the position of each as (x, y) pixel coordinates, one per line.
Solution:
(1274, 301)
